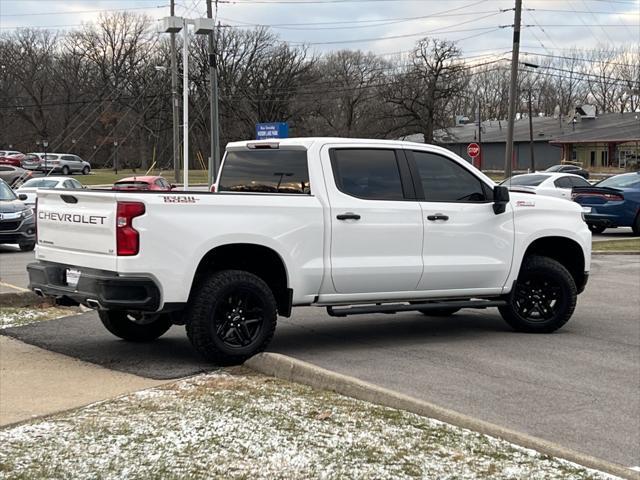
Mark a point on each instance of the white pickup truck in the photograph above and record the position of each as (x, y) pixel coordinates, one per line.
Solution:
(356, 226)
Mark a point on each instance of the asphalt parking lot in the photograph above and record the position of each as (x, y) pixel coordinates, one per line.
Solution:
(578, 387)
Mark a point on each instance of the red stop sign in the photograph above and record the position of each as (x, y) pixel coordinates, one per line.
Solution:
(473, 150)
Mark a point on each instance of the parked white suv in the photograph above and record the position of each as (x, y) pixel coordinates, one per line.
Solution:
(64, 163)
(356, 226)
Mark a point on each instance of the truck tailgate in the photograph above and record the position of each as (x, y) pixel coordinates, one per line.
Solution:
(77, 227)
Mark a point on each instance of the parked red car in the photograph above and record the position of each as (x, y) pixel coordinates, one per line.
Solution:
(11, 158)
(143, 183)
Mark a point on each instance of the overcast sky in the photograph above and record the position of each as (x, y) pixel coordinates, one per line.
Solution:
(548, 25)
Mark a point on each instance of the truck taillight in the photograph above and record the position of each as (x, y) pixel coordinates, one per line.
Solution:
(127, 237)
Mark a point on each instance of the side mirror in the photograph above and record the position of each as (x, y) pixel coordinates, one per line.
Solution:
(500, 199)
(22, 196)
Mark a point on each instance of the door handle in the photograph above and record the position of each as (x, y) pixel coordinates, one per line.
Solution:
(437, 216)
(348, 216)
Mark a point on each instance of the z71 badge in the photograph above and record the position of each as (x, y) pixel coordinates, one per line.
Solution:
(179, 199)
(525, 203)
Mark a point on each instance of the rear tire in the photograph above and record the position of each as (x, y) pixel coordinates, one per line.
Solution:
(135, 328)
(438, 312)
(543, 299)
(597, 229)
(65, 170)
(232, 315)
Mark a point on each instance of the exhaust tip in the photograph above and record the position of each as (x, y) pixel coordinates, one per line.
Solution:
(95, 304)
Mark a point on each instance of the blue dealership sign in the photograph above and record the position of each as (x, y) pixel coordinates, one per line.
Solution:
(272, 130)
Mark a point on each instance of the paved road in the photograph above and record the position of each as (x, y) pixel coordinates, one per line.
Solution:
(13, 268)
(579, 387)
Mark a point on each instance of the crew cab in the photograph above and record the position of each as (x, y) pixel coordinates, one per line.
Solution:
(354, 226)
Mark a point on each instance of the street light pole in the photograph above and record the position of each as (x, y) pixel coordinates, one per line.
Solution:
(175, 103)
(533, 162)
(214, 156)
(185, 105)
(115, 156)
(45, 144)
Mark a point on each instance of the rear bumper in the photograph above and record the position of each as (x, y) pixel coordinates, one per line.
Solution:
(600, 220)
(96, 288)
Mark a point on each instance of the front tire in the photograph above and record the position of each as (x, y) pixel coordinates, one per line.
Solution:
(597, 228)
(231, 317)
(27, 247)
(85, 170)
(135, 327)
(543, 299)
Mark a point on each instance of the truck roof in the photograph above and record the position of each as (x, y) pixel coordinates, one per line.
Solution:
(308, 141)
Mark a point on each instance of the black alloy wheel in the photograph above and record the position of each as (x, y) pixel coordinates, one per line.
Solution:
(239, 318)
(232, 315)
(543, 299)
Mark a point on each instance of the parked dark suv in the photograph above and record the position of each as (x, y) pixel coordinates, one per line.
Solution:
(17, 222)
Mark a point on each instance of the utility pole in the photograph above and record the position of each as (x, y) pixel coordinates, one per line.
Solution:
(214, 156)
(175, 104)
(480, 134)
(513, 85)
(533, 162)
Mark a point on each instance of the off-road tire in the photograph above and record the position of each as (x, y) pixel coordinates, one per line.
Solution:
(541, 280)
(206, 319)
(120, 324)
(597, 229)
(27, 247)
(86, 170)
(66, 170)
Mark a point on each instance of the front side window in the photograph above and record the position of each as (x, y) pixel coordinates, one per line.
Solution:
(265, 171)
(443, 180)
(367, 173)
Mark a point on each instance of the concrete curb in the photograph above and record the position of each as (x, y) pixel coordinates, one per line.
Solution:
(287, 368)
(624, 252)
(23, 299)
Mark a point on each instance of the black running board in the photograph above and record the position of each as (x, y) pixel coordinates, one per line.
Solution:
(405, 307)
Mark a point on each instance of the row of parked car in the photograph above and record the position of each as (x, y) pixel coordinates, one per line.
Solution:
(64, 163)
(612, 202)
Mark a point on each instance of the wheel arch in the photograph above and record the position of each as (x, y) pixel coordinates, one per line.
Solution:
(259, 260)
(565, 251)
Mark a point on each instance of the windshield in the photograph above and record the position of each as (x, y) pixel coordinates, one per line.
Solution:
(40, 183)
(622, 181)
(6, 194)
(525, 180)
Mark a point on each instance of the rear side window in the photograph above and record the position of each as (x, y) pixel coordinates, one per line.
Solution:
(371, 174)
(563, 182)
(265, 171)
(578, 182)
(443, 180)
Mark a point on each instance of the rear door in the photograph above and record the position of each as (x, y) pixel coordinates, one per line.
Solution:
(77, 228)
(376, 224)
(563, 187)
(467, 247)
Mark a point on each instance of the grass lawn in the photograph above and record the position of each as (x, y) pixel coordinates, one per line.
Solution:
(630, 245)
(235, 424)
(19, 316)
(107, 177)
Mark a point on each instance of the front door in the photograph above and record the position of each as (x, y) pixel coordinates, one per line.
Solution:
(376, 224)
(467, 247)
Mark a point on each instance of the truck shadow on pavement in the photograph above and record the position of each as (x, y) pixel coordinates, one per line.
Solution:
(83, 337)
